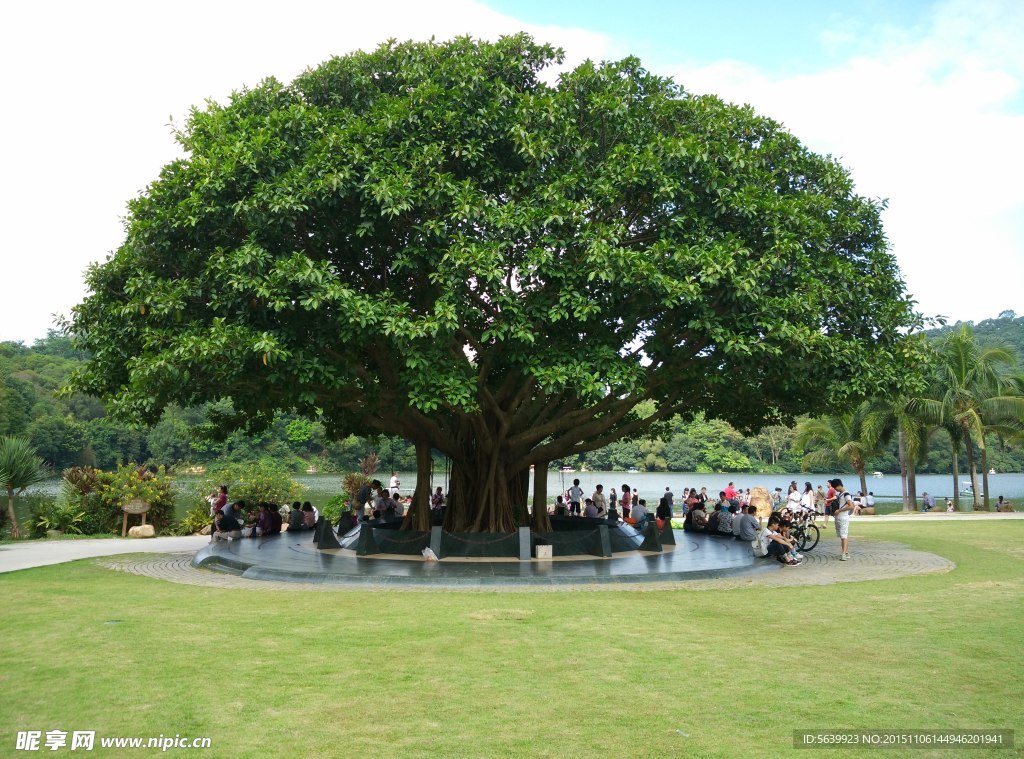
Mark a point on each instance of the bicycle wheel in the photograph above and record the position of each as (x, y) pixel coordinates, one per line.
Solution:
(811, 536)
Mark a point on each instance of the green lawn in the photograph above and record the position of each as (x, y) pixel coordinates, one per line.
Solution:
(589, 674)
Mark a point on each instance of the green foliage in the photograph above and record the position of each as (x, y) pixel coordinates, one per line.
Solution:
(602, 244)
(61, 514)
(20, 467)
(263, 480)
(335, 507)
(108, 492)
(195, 519)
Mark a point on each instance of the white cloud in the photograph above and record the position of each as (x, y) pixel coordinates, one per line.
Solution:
(932, 122)
(90, 89)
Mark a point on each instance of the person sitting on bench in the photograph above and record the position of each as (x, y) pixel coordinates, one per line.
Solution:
(638, 515)
(696, 519)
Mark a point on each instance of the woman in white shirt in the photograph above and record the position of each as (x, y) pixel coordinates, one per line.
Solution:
(793, 499)
(807, 498)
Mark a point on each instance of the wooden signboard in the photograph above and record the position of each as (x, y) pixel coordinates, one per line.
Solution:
(133, 507)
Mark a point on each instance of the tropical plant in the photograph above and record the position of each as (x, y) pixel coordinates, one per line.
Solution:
(441, 242)
(131, 482)
(20, 468)
(195, 519)
(974, 388)
(840, 439)
(65, 514)
(893, 416)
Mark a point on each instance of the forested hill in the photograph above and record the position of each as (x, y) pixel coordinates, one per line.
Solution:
(1006, 328)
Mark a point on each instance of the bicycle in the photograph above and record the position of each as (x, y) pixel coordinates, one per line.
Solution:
(804, 531)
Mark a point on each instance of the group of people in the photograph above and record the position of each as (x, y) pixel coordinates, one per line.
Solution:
(233, 521)
(731, 514)
(374, 501)
(601, 506)
(731, 518)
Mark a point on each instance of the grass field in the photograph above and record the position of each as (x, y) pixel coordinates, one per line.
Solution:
(727, 673)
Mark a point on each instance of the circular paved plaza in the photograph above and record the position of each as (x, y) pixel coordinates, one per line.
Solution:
(870, 560)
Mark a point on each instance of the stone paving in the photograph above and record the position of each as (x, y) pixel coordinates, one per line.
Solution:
(869, 560)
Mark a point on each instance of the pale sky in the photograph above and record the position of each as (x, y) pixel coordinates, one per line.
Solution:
(922, 101)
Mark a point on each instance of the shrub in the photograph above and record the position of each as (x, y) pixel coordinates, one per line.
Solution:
(194, 521)
(101, 495)
(66, 514)
(264, 480)
(335, 507)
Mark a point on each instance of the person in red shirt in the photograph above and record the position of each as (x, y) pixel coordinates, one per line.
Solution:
(730, 493)
(830, 500)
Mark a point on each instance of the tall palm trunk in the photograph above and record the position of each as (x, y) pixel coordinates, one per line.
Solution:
(859, 466)
(956, 477)
(904, 473)
(972, 466)
(984, 472)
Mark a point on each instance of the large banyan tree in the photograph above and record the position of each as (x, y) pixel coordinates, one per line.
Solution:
(434, 240)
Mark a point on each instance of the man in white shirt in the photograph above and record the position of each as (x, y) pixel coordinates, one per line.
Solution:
(844, 508)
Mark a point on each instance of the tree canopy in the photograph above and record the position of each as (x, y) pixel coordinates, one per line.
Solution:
(440, 241)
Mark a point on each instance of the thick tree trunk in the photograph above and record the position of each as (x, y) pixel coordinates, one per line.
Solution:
(418, 517)
(484, 499)
(540, 521)
(15, 530)
(863, 481)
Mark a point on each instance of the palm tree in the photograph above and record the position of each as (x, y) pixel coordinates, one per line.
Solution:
(842, 438)
(19, 468)
(973, 389)
(894, 416)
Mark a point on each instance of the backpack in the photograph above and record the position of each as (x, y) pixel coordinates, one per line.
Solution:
(759, 545)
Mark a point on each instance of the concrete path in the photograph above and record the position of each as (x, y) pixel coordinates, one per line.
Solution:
(935, 516)
(41, 553)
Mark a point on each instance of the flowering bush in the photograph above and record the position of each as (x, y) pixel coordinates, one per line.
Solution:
(102, 496)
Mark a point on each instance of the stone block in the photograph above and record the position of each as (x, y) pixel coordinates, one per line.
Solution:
(327, 538)
(652, 541)
(761, 498)
(142, 531)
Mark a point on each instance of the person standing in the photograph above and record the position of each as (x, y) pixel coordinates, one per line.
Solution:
(830, 501)
(575, 498)
(807, 498)
(670, 498)
(600, 502)
(625, 501)
(394, 485)
(843, 509)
